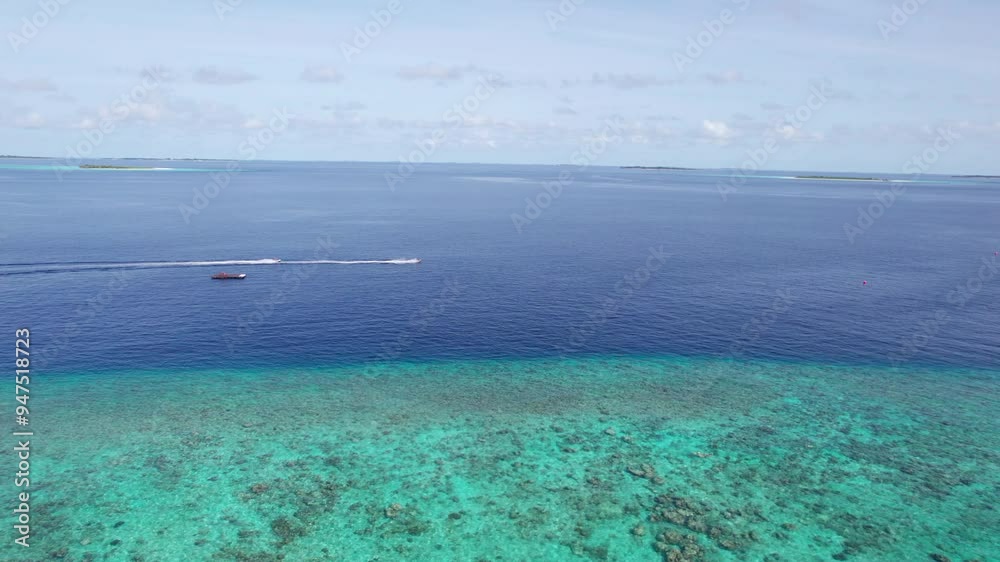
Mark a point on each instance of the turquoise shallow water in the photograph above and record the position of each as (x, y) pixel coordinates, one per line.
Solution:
(613, 458)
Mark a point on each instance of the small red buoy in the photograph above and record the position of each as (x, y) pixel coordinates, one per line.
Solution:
(864, 282)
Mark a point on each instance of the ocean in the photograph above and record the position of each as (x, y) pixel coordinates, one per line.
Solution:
(585, 364)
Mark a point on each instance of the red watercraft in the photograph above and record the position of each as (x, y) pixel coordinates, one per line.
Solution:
(225, 275)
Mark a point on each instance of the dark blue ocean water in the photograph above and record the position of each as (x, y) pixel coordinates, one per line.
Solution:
(766, 272)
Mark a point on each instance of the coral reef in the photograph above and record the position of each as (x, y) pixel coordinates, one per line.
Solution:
(600, 459)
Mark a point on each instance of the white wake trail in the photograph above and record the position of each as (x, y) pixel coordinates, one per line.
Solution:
(190, 263)
(407, 261)
(61, 267)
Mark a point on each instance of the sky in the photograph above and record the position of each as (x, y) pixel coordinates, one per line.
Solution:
(853, 85)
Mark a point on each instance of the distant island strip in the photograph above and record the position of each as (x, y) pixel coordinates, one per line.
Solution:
(111, 167)
(655, 168)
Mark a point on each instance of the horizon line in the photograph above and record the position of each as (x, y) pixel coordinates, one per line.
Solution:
(647, 166)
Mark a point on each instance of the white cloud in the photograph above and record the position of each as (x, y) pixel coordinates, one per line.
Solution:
(435, 72)
(145, 112)
(722, 78)
(31, 120)
(625, 81)
(787, 132)
(85, 123)
(345, 106)
(321, 74)
(28, 85)
(168, 110)
(61, 97)
(330, 123)
(717, 130)
(220, 77)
